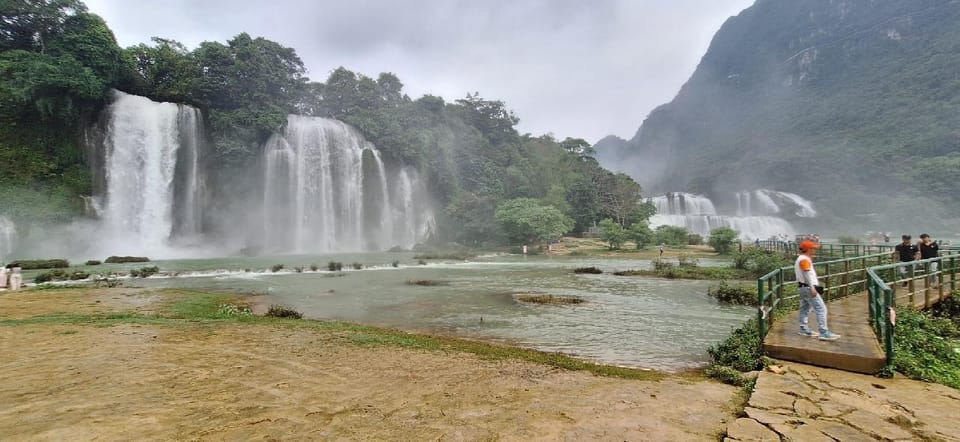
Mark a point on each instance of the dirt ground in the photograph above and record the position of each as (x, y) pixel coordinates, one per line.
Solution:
(235, 381)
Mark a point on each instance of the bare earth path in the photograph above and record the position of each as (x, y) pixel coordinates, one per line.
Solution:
(217, 381)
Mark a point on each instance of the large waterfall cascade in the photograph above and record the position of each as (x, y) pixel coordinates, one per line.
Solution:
(758, 213)
(327, 189)
(152, 178)
(8, 234)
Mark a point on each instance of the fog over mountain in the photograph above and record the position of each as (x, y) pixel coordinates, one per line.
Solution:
(572, 68)
(851, 104)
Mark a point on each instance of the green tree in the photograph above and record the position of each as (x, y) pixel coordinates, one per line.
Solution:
(671, 235)
(527, 220)
(613, 234)
(165, 71)
(641, 234)
(722, 239)
(619, 196)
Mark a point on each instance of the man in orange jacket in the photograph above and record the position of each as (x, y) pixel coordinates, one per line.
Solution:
(811, 293)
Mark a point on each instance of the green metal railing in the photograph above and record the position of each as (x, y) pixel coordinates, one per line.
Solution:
(919, 279)
(840, 278)
(827, 250)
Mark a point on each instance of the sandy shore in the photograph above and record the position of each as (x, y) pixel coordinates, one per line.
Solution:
(124, 380)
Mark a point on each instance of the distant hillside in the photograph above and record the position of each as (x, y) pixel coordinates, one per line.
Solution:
(854, 104)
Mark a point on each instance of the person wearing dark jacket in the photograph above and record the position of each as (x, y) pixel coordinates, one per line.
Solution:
(905, 252)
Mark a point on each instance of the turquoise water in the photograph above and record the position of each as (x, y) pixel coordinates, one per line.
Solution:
(633, 321)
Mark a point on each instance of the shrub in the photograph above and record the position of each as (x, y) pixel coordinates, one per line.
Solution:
(612, 234)
(357, 266)
(948, 308)
(395, 263)
(722, 239)
(687, 261)
(421, 262)
(281, 311)
(671, 235)
(926, 348)
(37, 264)
(334, 266)
(590, 270)
(662, 265)
(42, 278)
(548, 299)
(727, 375)
(298, 269)
(741, 350)
(276, 268)
(144, 272)
(93, 262)
(126, 259)
(694, 239)
(758, 262)
(314, 267)
(78, 275)
(396, 249)
(734, 294)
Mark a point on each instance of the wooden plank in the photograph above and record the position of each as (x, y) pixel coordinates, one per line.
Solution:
(858, 349)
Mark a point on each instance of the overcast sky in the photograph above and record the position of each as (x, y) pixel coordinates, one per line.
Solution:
(582, 68)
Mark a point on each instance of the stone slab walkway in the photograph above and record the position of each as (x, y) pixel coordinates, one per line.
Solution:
(806, 403)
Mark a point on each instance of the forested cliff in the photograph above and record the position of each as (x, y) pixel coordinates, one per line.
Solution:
(854, 104)
(58, 64)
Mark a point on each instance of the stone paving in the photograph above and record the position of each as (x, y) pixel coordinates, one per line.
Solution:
(797, 402)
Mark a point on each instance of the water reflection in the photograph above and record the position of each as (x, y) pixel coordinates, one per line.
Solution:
(633, 321)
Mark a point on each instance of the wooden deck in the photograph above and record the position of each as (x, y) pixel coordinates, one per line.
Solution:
(858, 349)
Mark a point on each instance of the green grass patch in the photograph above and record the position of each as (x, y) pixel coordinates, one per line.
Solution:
(198, 305)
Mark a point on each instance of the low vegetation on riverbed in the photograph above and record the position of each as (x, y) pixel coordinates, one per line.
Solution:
(748, 264)
(538, 298)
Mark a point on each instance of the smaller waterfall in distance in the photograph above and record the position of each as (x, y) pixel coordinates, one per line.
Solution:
(8, 235)
(326, 189)
(756, 213)
(152, 179)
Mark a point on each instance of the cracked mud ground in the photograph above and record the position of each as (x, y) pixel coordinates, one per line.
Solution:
(805, 403)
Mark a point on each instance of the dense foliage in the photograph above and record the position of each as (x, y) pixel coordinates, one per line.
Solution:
(927, 347)
(851, 104)
(58, 64)
(722, 239)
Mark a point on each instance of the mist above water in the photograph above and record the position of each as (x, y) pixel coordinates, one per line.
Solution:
(321, 187)
(757, 215)
(327, 189)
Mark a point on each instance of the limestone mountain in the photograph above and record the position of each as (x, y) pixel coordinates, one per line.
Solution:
(854, 104)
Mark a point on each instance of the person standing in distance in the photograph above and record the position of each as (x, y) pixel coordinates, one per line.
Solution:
(811, 293)
(905, 252)
(929, 249)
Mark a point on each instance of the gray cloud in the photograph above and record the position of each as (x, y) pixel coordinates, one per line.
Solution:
(569, 67)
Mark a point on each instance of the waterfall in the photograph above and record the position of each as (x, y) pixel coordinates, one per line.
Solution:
(756, 216)
(327, 189)
(152, 182)
(8, 235)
